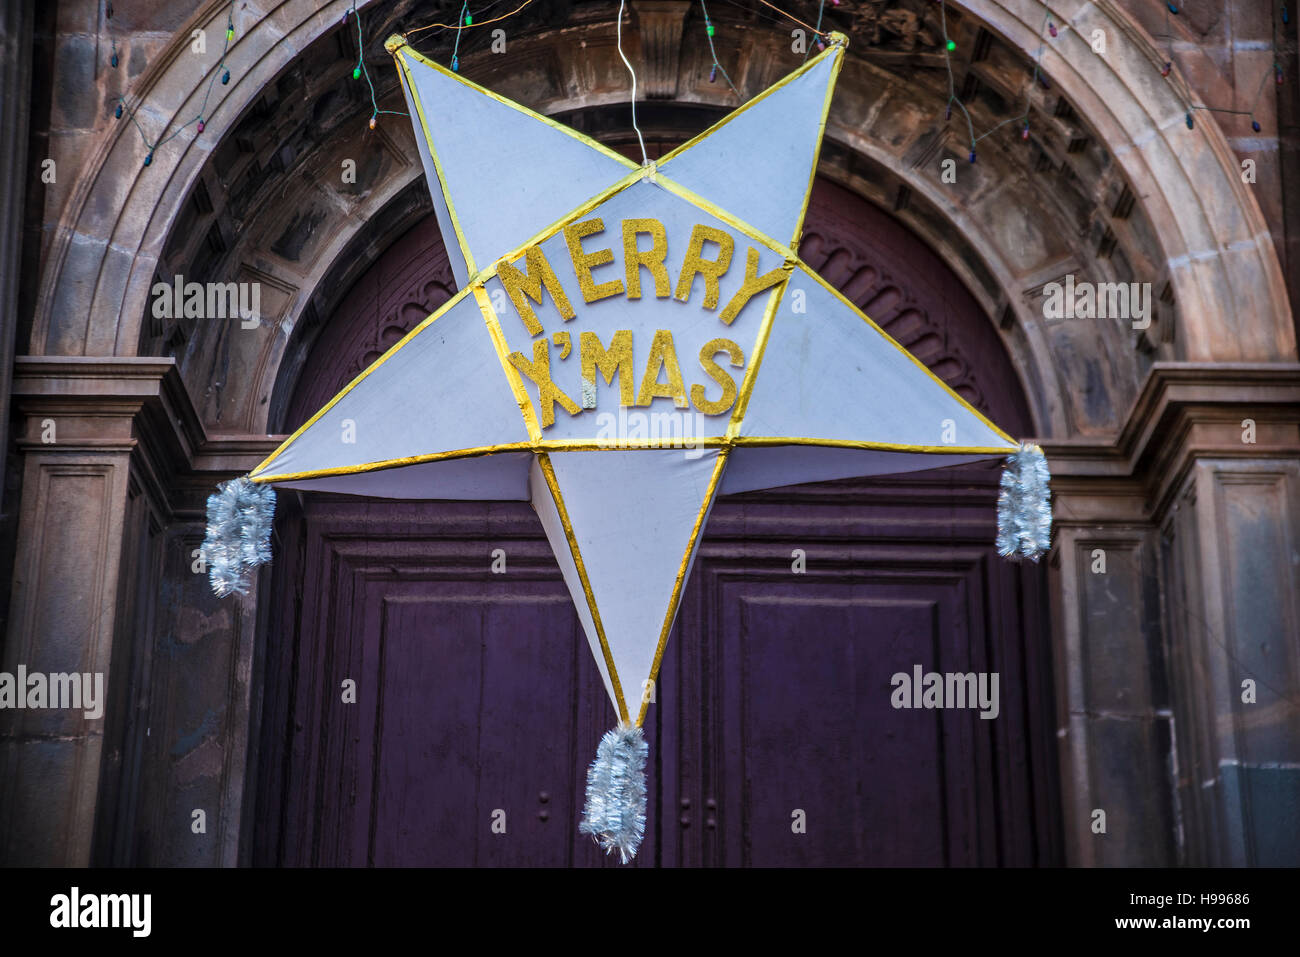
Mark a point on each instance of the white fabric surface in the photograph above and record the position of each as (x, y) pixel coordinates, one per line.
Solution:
(442, 391)
(758, 165)
(829, 374)
(501, 477)
(509, 174)
(632, 514)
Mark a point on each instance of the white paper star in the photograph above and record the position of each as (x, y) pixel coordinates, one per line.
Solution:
(627, 343)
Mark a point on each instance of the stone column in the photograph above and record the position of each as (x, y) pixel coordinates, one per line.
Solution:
(77, 439)
(1177, 571)
(15, 79)
(1114, 725)
(1230, 546)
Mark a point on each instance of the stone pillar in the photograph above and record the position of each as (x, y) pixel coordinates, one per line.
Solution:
(77, 439)
(1230, 544)
(1176, 566)
(15, 79)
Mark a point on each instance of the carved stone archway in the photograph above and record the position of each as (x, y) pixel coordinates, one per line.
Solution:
(1200, 230)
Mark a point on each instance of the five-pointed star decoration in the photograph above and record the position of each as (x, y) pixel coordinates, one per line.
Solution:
(622, 350)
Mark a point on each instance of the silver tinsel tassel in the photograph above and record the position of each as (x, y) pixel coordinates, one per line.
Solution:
(1024, 505)
(239, 533)
(615, 812)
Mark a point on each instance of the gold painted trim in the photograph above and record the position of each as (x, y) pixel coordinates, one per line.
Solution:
(626, 445)
(919, 364)
(821, 134)
(548, 471)
(503, 356)
(675, 599)
(445, 308)
(414, 54)
(470, 266)
(833, 50)
(756, 359)
(698, 201)
(381, 466)
(724, 443)
(766, 441)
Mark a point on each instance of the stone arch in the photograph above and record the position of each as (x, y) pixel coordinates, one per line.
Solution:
(1204, 231)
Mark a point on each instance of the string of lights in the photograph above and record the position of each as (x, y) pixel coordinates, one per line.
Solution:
(1047, 31)
(716, 67)
(221, 70)
(1173, 9)
(361, 70)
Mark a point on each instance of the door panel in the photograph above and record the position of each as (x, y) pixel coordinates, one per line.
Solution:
(785, 682)
(477, 704)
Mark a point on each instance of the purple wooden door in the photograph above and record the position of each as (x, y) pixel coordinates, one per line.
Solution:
(773, 740)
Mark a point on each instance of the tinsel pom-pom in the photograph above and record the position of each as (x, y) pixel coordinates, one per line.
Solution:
(239, 534)
(616, 795)
(1024, 505)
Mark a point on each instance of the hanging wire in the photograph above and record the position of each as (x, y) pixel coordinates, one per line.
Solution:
(365, 72)
(464, 26)
(708, 33)
(821, 9)
(1023, 117)
(645, 160)
(152, 147)
(791, 16)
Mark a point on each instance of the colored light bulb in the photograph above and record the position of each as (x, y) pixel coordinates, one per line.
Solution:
(230, 34)
(372, 122)
(1164, 70)
(713, 73)
(113, 60)
(972, 154)
(455, 64)
(1173, 8)
(356, 73)
(118, 112)
(225, 78)
(947, 114)
(1024, 134)
(1277, 74)
(469, 20)
(1190, 124)
(709, 27)
(951, 46)
(1254, 125)
(202, 126)
(148, 160)
(1051, 28)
